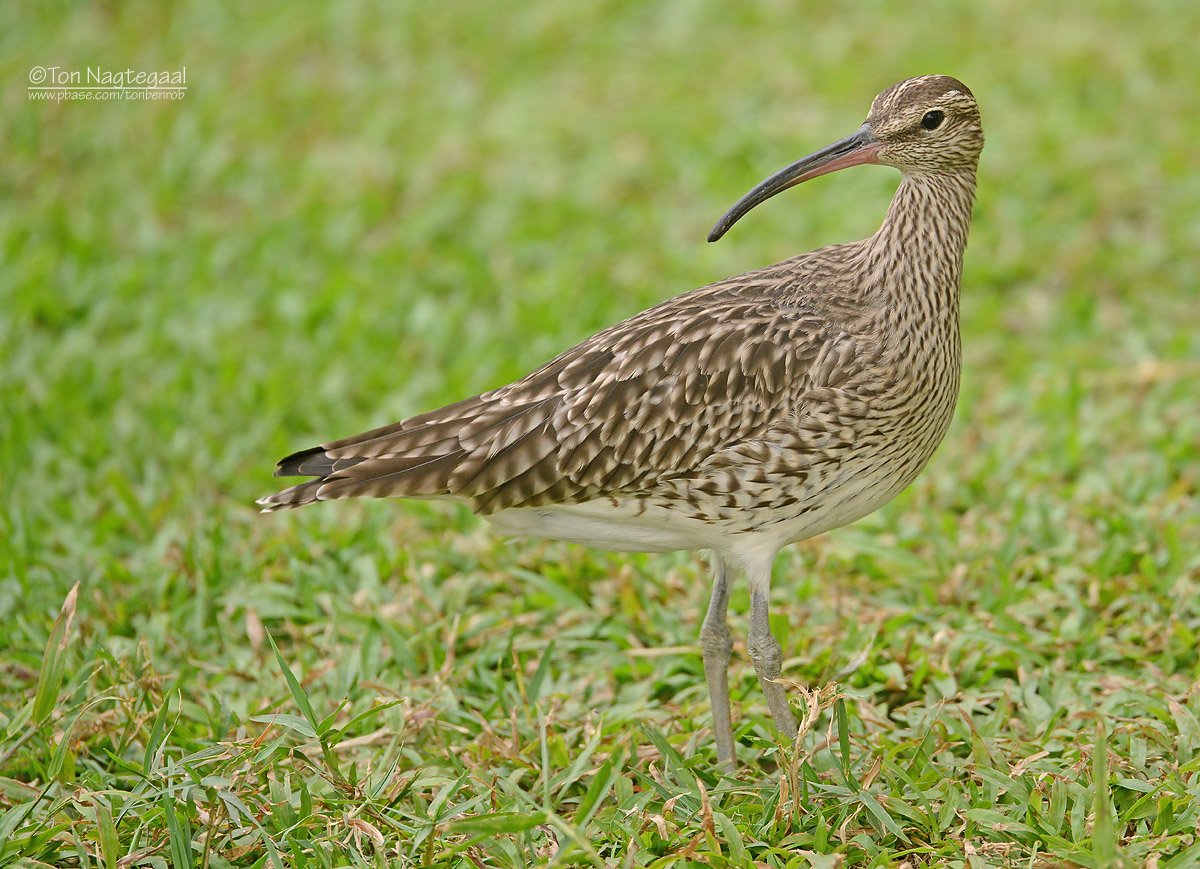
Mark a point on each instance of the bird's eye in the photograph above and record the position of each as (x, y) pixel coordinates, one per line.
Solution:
(932, 120)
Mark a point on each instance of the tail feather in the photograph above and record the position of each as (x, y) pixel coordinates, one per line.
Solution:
(292, 497)
(393, 477)
(419, 476)
(314, 462)
(490, 453)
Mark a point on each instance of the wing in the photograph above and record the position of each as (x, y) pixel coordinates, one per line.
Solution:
(648, 400)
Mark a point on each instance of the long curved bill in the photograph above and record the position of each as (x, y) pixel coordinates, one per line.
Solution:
(854, 150)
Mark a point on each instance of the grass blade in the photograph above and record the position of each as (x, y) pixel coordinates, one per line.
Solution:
(1104, 837)
(53, 661)
(179, 833)
(302, 702)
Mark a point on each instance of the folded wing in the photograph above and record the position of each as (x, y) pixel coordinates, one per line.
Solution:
(647, 400)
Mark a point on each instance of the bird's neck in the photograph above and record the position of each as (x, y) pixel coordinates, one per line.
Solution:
(918, 249)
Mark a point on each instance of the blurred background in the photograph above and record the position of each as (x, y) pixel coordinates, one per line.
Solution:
(364, 210)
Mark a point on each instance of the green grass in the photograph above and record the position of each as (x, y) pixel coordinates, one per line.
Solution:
(361, 212)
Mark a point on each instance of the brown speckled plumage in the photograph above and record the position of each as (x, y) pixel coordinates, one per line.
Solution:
(739, 417)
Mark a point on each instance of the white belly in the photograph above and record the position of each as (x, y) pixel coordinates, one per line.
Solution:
(646, 525)
(623, 527)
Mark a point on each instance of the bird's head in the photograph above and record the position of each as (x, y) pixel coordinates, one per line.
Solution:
(927, 124)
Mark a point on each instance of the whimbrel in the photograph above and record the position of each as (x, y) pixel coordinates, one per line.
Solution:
(740, 417)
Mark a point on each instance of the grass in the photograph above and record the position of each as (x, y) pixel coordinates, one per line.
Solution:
(364, 211)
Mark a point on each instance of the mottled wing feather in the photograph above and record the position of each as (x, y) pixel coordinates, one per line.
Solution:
(653, 399)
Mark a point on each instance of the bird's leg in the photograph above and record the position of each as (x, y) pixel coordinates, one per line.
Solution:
(717, 647)
(765, 652)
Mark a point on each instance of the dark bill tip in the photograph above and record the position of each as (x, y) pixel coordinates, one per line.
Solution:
(854, 150)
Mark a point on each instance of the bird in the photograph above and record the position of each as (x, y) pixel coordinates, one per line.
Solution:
(740, 417)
